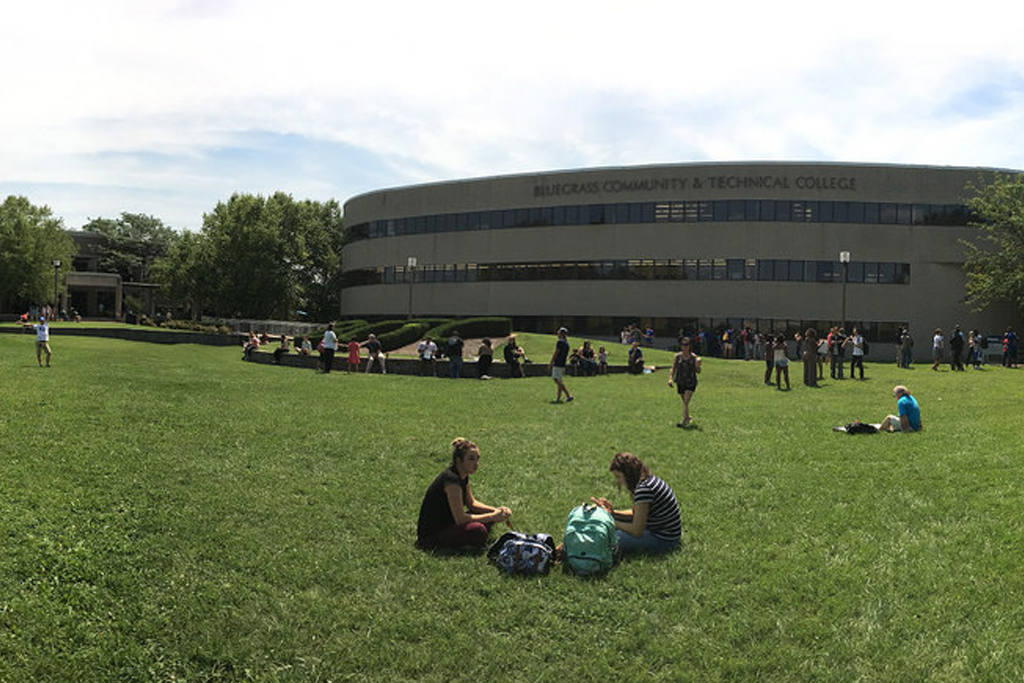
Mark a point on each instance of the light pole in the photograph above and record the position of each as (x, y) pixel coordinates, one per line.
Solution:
(56, 275)
(844, 258)
(410, 274)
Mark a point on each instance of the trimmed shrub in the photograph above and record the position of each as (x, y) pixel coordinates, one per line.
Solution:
(406, 334)
(473, 327)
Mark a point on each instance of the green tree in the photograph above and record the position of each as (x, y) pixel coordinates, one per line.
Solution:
(133, 242)
(31, 239)
(995, 265)
(185, 273)
(260, 257)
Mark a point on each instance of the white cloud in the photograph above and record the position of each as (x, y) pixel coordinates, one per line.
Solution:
(165, 95)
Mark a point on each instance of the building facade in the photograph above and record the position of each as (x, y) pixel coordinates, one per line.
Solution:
(776, 246)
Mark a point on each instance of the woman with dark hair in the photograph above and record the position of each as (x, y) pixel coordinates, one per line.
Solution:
(653, 524)
(685, 367)
(450, 517)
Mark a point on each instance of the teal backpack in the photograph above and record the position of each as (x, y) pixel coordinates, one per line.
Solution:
(590, 543)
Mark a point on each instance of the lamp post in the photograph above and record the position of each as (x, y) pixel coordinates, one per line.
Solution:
(56, 276)
(844, 258)
(410, 275)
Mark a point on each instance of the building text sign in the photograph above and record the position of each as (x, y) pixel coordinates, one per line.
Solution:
(810, 183)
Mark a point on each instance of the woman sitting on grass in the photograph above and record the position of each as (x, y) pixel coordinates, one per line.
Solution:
(450, 517)
(653, 525)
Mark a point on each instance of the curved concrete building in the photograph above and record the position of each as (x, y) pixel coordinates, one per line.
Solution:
(674, 246)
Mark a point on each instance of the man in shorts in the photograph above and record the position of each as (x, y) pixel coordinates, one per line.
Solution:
(908, 417)
(557, 365)
(42, 341)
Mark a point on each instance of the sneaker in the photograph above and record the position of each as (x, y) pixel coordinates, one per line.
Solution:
(569, 400)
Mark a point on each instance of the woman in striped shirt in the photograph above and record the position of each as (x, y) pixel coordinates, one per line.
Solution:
(653, 524)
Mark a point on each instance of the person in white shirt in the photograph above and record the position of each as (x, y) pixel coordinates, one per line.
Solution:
(427, 350)
(42, 341)
(330, 346)
(857, 354)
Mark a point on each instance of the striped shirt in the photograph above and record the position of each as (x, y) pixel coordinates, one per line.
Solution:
(663, 519)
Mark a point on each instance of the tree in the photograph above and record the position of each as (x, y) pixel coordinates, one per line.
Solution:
(185, 272)
(995, 266)
(134, 242)
(31, 239)
(260, 257)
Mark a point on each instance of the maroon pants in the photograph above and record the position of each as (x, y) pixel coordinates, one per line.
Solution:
(470, 534)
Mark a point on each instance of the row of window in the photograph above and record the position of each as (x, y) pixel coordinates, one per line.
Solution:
(773, 270)
(752, 210)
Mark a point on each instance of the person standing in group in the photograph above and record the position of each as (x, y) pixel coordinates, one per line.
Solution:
(956, 349)
(1010, 348)
(837, 348)
(936, 349)
(653, 524)
(556, 366)
(330, 342)
(781, 358)
(906, 349)
(484, 358)
(353, 356)
(810, 357)
(685, 367)
(908, 417)
(454, 350)
(42, 340)
(450, 517)
(856, 341)
(975, 349)
(769, 358)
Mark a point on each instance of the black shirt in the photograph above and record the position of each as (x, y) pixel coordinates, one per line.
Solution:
(435, 512)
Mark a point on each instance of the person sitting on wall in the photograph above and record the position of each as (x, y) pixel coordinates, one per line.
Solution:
(374, 349)
(636, 359)
(283, 348)
(908, 418)
(513, 358)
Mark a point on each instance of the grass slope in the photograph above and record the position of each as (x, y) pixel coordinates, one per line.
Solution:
(170, 513)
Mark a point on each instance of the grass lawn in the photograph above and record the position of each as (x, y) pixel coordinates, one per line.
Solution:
(171, 513)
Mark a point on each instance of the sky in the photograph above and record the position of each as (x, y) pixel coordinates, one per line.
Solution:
(167, 107)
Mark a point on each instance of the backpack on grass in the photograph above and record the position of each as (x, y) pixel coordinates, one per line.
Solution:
(590, 543)
(522, 554)
(859, 427)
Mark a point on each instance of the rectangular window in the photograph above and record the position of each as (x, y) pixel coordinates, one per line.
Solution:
(736, 268)
(622, 213)
(596, 214)
(703, 269)
(572, 215)
(765, 269)
(872, 213)
(719, 271)
(558, 215)
(690, 269)
(887, 214)
(720, 210)
(737, 210)
(796, 271)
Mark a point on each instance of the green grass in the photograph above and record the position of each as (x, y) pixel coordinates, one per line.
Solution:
(171, 513)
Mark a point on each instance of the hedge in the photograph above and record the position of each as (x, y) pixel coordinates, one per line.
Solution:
(473, 327)
(403, 336)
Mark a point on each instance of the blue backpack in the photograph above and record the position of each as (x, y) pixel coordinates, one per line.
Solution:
(522, 554)
(590, 543)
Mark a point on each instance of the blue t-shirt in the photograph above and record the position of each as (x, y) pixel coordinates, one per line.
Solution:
(908, 406)
(663, 520)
